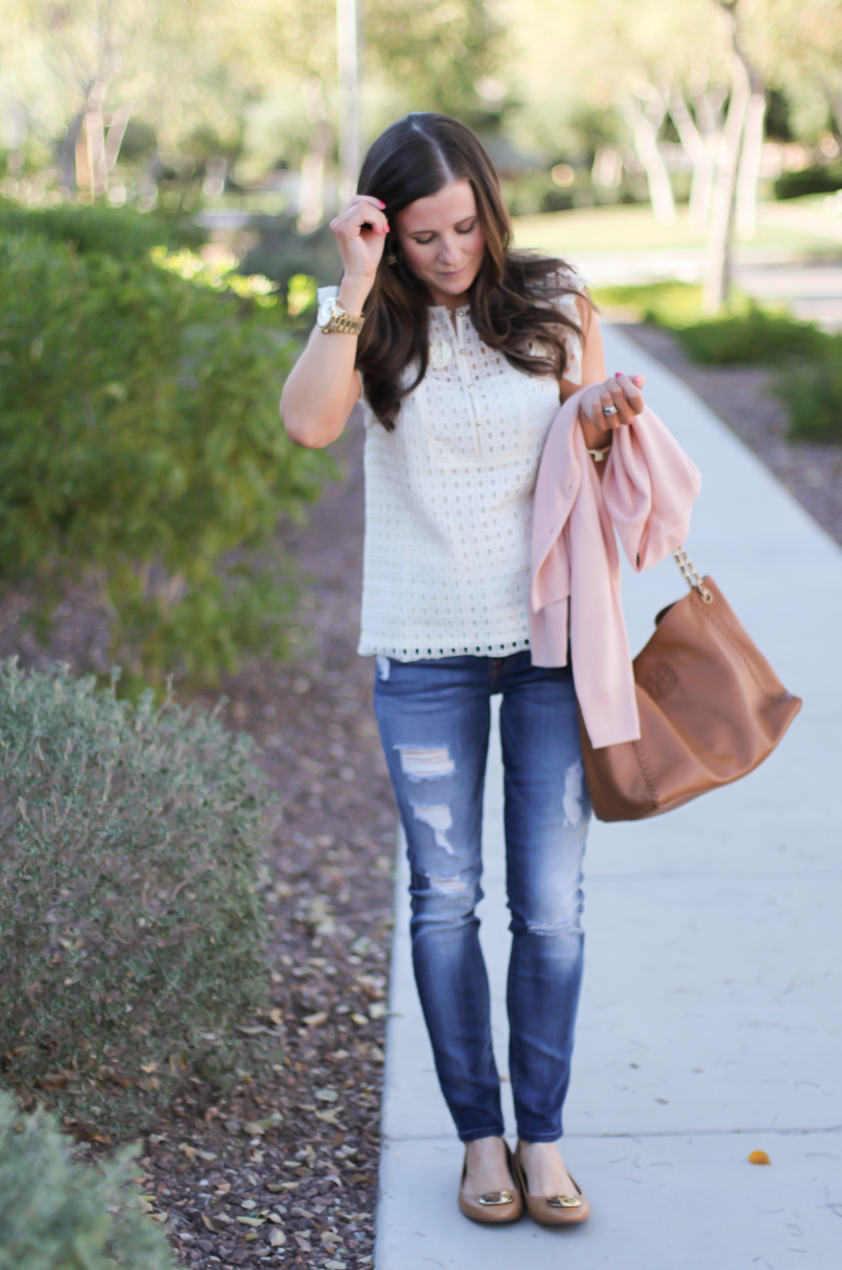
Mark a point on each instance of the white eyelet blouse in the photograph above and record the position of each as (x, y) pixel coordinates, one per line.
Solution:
(448, 498)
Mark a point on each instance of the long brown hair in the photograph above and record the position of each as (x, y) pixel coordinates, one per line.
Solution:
(510, 296)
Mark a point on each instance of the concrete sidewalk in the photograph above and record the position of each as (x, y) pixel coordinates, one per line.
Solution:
(712, 1002)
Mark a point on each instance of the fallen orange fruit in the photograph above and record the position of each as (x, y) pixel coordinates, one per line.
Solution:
(759, 1157)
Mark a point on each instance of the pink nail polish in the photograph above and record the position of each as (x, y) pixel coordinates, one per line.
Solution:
(618, 374)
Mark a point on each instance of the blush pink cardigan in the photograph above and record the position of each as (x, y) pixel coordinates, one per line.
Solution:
(645, 495)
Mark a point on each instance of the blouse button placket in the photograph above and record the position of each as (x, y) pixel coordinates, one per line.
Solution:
(465, 377)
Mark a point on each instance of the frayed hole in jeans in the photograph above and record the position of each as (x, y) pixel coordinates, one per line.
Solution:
(573, 789)
(438, 817)
(449, 886)
(425, 762)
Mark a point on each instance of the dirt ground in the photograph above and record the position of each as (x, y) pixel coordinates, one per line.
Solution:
(302, 1190)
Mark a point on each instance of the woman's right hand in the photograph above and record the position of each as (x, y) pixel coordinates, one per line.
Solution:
(360, 232)
(322, 389)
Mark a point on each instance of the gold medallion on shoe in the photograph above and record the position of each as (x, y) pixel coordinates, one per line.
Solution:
(492, 1198)
(494, 1208)
(565, 1201)
(551, 1210)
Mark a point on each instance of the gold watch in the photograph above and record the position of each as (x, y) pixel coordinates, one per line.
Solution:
(332, 317)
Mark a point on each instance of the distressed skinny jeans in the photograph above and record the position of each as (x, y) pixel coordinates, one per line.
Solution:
(434, 719)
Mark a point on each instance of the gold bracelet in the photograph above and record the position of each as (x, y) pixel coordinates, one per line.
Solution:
(599, 455)
(332, 317)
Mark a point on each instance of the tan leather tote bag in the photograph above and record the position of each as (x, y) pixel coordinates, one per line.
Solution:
(711, 710)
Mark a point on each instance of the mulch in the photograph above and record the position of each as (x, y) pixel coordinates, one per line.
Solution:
(284, 1168)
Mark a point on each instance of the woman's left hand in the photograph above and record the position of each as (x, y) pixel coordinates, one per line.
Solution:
(620, 397)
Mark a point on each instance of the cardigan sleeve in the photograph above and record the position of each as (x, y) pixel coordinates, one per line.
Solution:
(644, 499)
(649, 488)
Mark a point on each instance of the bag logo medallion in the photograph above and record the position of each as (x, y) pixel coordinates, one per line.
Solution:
(658, 682)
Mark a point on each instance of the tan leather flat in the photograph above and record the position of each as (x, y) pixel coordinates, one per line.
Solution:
(495, 1208)
(551, 1210)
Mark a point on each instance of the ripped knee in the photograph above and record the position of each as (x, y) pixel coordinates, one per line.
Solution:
(444, 897)
(449, 886)
(547, 930)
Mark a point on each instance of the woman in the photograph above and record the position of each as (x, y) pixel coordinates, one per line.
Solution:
(462, 350)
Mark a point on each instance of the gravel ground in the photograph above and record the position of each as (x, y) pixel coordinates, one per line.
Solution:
(284, 1169)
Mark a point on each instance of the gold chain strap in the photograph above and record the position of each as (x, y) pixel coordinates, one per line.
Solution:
(690, 576)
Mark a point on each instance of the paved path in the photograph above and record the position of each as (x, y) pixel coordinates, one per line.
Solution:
(710, 1019)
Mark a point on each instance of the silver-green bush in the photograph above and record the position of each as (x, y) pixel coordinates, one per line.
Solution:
(59, 1215)
(131, 926)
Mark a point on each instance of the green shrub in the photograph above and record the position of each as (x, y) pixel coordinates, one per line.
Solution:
(120, 232)
(822, 178)
(749, 335)
(59, 1215)
(756, 337)
(130, 920)
(812, 391)
(141, 442)
(663, 303)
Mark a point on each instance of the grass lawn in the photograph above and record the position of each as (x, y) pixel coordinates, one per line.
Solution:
(802, 226)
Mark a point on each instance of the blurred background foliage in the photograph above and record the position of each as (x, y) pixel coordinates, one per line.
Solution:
(180, 105)
(142, 449)
(233, 115)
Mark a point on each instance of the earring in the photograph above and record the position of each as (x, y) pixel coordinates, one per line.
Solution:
(391, 258)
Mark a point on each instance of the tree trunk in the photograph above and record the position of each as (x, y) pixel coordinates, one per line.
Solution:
(834, 98)
(709, 115)
(311, 190)
(348, 24)
(645, 124)
(717, 281)
(701, 139)
(311, 196)
(114, 137)
(97, 163)
(699, 147)
(67, 160)
(748, 176)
